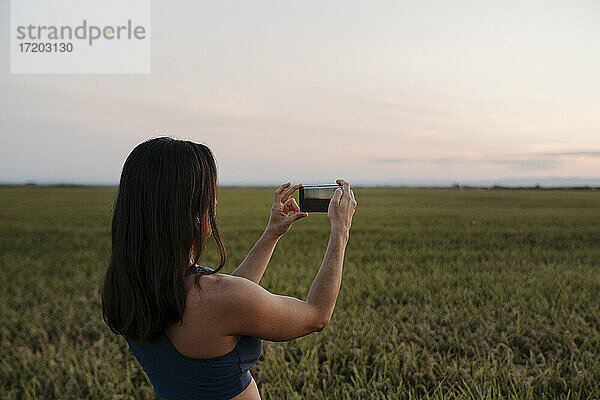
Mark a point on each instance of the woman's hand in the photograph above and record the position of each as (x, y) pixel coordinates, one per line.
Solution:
(280, 221)
(341, 208)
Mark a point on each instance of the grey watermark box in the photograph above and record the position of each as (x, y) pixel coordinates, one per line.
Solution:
(80, 36)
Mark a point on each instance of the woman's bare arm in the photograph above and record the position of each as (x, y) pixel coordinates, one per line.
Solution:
(254, 265)
(326, 285)
(247, 308)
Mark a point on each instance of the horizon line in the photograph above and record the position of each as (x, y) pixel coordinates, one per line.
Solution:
(445, 185)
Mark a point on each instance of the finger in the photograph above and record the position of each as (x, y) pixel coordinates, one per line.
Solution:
(337, 196)
(280, 190)
(299, 215)
(345, 187)
(289, 192)
(292, 205)
(352, 194)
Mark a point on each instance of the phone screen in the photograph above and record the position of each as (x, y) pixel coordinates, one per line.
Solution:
(316, 198)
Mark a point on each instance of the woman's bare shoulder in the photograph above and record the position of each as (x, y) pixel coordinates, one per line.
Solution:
(213, 291)
(218, 296)
(234, 305)
(202, 320)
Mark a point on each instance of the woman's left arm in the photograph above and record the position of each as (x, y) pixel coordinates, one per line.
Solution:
(254, 265)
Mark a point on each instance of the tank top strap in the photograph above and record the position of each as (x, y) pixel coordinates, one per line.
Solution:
(195, 269)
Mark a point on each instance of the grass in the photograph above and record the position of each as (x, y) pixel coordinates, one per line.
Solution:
(446, 294)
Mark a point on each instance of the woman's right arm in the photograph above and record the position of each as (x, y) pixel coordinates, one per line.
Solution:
(248, 309)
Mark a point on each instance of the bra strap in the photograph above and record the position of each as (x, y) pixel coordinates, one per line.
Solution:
(194, 269)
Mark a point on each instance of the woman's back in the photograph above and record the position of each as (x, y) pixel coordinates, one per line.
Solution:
(177, 376)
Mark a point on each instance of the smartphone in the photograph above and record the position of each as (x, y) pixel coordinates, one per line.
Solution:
(316, 198)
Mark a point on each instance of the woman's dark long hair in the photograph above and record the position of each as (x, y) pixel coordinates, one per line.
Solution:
(165, 185)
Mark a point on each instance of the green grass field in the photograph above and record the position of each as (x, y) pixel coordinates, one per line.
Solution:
(446, 294)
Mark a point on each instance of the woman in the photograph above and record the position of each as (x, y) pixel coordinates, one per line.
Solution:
(197, 332)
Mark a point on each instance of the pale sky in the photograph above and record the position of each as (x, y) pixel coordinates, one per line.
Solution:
(376, 92)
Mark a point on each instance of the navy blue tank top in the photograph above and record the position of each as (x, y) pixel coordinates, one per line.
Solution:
(176, 376)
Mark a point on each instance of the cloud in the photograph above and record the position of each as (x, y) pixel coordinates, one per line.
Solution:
(526, 164)
(574, 154)
(514, 163)
(436, 161)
